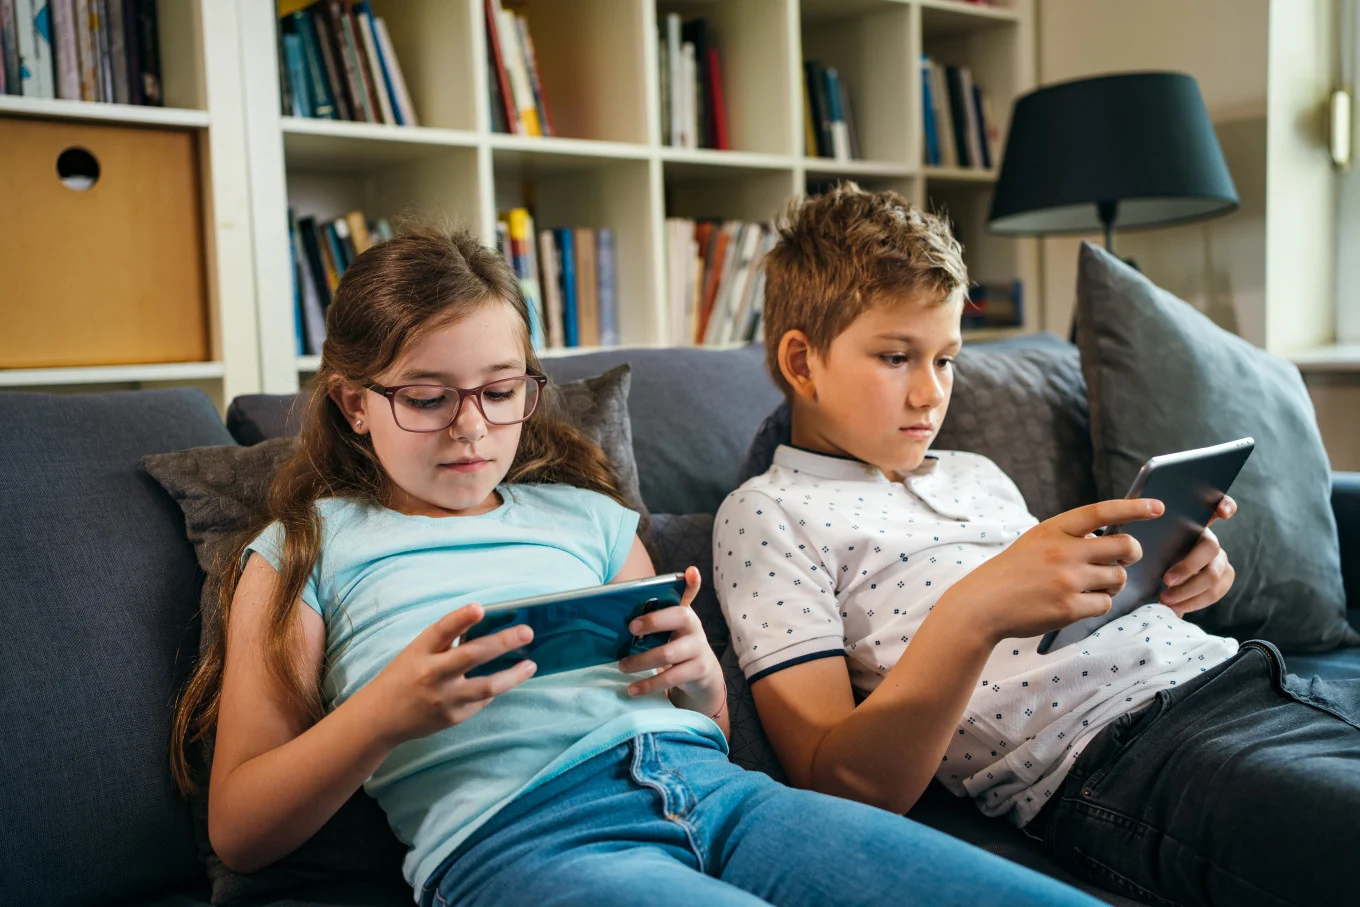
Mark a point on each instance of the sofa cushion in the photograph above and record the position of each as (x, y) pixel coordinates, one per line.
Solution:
(98, 590)
(683, 541)
(1020, 402)
(597, 404)
(1162, 377)
(693, 410)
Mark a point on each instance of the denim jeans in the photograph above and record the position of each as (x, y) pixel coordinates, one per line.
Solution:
(1240, 787)
(665, 819)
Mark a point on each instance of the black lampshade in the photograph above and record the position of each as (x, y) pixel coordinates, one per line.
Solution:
(1141, 140)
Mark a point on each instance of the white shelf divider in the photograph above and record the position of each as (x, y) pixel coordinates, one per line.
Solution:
(111, 374)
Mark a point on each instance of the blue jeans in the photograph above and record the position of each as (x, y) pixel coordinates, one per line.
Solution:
(1241, 787)
(665, 819)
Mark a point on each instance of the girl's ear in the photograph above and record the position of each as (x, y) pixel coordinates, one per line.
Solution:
(352, 402)
(794, 353)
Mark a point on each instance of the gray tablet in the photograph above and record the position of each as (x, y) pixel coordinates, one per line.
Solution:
(1190, 484)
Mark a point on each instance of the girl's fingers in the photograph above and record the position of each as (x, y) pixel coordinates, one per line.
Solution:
(482, 689)
(1201, 556)
(479, 651)
(666, 620)
(674, 652)
(671, 677)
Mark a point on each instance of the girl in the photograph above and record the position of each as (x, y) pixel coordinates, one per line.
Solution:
(431, 473)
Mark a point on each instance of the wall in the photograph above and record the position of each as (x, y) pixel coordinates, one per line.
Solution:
(1225, 266)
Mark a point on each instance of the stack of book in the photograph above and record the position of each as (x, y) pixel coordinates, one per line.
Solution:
(81, 50)
(717, 285)
(960, 128)
(828, 119)
(693, 112)
(569, 276)
(336, 62)
(321, 251)
(518, 105)
(994, 305)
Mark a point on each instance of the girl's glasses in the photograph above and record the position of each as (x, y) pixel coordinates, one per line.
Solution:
(430, 407)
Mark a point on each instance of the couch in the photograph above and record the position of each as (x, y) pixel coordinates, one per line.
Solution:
(99, 596)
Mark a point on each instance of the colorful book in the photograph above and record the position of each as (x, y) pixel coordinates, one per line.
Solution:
(587, 289)
(565, 242)
(607, 280)
(552, 288)
(67, 66)
(522, 259)
(25, 38)
(521, 91)
(535, 83)
(322, 102)
(373, 68)
(361, 83)
(501, 81)
(717, 103)
(840, 133)
(401, 98)
(330, 59)
(930, 148)
(44, 58)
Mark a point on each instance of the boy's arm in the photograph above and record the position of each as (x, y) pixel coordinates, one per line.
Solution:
(886, 750)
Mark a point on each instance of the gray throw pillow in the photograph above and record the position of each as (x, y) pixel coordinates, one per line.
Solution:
(1162, 377)
(220, 489)
(1020, 403)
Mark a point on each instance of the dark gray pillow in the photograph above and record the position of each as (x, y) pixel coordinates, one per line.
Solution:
(220, 490)
(687, 540)
(1162, 377)
(1021, 403)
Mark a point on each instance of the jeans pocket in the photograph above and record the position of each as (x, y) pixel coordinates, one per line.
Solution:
(1096, 872)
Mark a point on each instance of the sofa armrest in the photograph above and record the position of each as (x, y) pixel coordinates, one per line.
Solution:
(1346, 506)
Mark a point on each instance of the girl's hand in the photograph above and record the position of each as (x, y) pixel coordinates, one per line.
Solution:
(1056, 573)
(423, 689)
(688, 666)
(1205, 576)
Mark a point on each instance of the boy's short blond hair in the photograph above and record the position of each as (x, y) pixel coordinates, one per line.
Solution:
(842, 252)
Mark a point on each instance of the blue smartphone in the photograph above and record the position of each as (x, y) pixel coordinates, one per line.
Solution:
(581, 628)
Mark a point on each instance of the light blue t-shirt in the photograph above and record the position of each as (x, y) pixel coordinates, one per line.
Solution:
(383, 577)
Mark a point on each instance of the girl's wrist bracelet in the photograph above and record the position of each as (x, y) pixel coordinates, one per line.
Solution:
(722, 708)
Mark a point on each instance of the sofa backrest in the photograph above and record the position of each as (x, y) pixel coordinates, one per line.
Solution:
(98, 601)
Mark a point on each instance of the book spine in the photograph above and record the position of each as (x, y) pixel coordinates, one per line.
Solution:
(363, 21)
(85, 52)
(812, 76)
(567, 256)
(958, 113)
(931, 145)
(104, 69)
(970, 117)
(363, 80)
(519, 77)
(401, 98)
(296, 69)
(136, 92)
(840, 135)
(689, 77)
(44, 60)
(716, 102)
(608, 284)
(521, 230)
(148, 42)
(981, 125)
(358, 231)
(118, 57)
(318, 85)
(663, 64)
(587, 303)
(9, 48)
(349, 61)
(64, 44)
(675, 62)
(23, 30)
(502, 77)
(531, 58)
(551, 275)
(330, 57)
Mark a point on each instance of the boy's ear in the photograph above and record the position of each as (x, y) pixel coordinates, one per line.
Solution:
(794, 350)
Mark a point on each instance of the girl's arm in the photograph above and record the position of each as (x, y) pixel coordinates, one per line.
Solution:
(277, 778)
(691, 674)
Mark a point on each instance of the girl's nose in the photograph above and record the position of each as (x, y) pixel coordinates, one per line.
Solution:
(468, 424)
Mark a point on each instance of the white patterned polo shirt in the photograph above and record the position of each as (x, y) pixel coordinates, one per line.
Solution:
(824, 556)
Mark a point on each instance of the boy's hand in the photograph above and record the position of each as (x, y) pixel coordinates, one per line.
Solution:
(1056, 573)
(1205, 576)
(687, 663)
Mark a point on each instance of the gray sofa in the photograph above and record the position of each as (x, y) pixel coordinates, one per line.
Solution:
(99, 596)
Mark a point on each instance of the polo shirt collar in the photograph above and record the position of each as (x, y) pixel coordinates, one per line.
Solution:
(826, 466)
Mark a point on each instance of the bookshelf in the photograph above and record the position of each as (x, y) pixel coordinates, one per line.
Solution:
(201, 84)
(606, 166)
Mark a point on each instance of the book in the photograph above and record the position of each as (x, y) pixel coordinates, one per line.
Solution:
(321, 101)
(564, 240)
(535, 83)
(44, 58)
(67, 65)
(363, 20)
(148, 52)
(500, 84)
(99, 25)
(9, 48)
(401, 98)
(674, 64)
(930, 145)
(299, 101)
(815, 75)
(994, 304)
(663, 60)
(520, 90)
(980, 125)
(688, 100)
(320, 31)
(958, 112)
(355, 84)
(717, 102)
(944, 121)
(118, 55)
(607, 279)
(310, 239)
(971, 117)
(695, 33)
(25, 39)
(520, 255)
(339, 228)
(551, 271)
(313, 294)
(840, 133)
(358, 231)
(587, 289)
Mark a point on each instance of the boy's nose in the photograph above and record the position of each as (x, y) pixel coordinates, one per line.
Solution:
(926, 391)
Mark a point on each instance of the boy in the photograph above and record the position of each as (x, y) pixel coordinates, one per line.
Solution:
(886, 605)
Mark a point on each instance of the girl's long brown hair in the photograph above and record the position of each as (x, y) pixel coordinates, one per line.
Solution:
(389, 296)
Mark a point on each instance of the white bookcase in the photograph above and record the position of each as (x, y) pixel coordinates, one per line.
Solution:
(599, 65)
(201, 83)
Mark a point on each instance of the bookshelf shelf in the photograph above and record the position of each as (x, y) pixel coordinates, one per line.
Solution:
(609, 164)
(984, 335)
(944, 18)
(973, 175)
(89, 111)
(112, 374)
